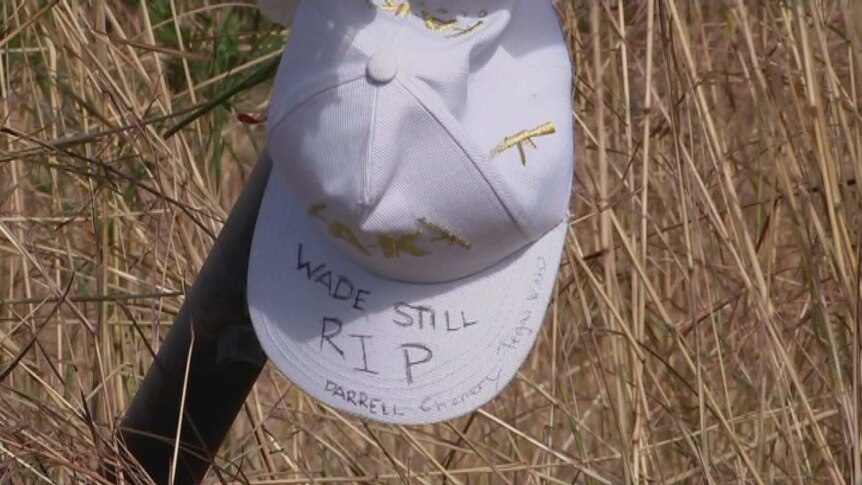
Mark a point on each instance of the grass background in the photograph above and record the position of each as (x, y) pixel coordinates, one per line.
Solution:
(706, 323)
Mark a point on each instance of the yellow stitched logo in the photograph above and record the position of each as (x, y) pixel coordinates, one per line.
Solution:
(437, 24)
(444, 234)
(524, 137)
(340, 231)
(403, 8)
(440, 25)
(399, 9)
(393, 245)
(413, 243)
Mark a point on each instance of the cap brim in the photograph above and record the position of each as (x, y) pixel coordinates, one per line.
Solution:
(388, 350)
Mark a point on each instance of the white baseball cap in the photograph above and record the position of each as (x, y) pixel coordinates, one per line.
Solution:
(410, 233)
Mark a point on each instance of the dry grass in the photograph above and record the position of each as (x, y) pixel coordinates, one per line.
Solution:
(706, 322)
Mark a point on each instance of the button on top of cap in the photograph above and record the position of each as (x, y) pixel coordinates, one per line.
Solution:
(382, 67)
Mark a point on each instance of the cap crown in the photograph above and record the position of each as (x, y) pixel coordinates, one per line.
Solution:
(428, 140)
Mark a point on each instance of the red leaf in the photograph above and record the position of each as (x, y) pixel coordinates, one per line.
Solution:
(249, 119)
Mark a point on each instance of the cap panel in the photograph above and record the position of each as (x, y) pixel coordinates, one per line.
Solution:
(322, 164)
(507, 101)
(333, 165)
(423, 182)
(391, 187)
(408, 203)
(461, 136)
(519, 111)
(321, 52)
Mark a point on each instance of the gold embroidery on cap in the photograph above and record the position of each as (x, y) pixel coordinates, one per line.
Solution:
(315, 211)
(403, 8)
(444, 234)
(437, 24)
(393, 245)
(340, 231)
(468, 30)
(400, 10)
(524, 137)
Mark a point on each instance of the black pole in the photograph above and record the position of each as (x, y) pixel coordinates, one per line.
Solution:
(225, 361)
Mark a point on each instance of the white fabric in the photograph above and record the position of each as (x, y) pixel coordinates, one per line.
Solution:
(340, 332)
(382, 67)
(423, 154)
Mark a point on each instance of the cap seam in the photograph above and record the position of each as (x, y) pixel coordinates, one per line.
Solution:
(459, 40)
(367, 171)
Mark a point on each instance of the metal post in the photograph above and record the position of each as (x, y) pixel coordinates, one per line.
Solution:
(225, 359)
